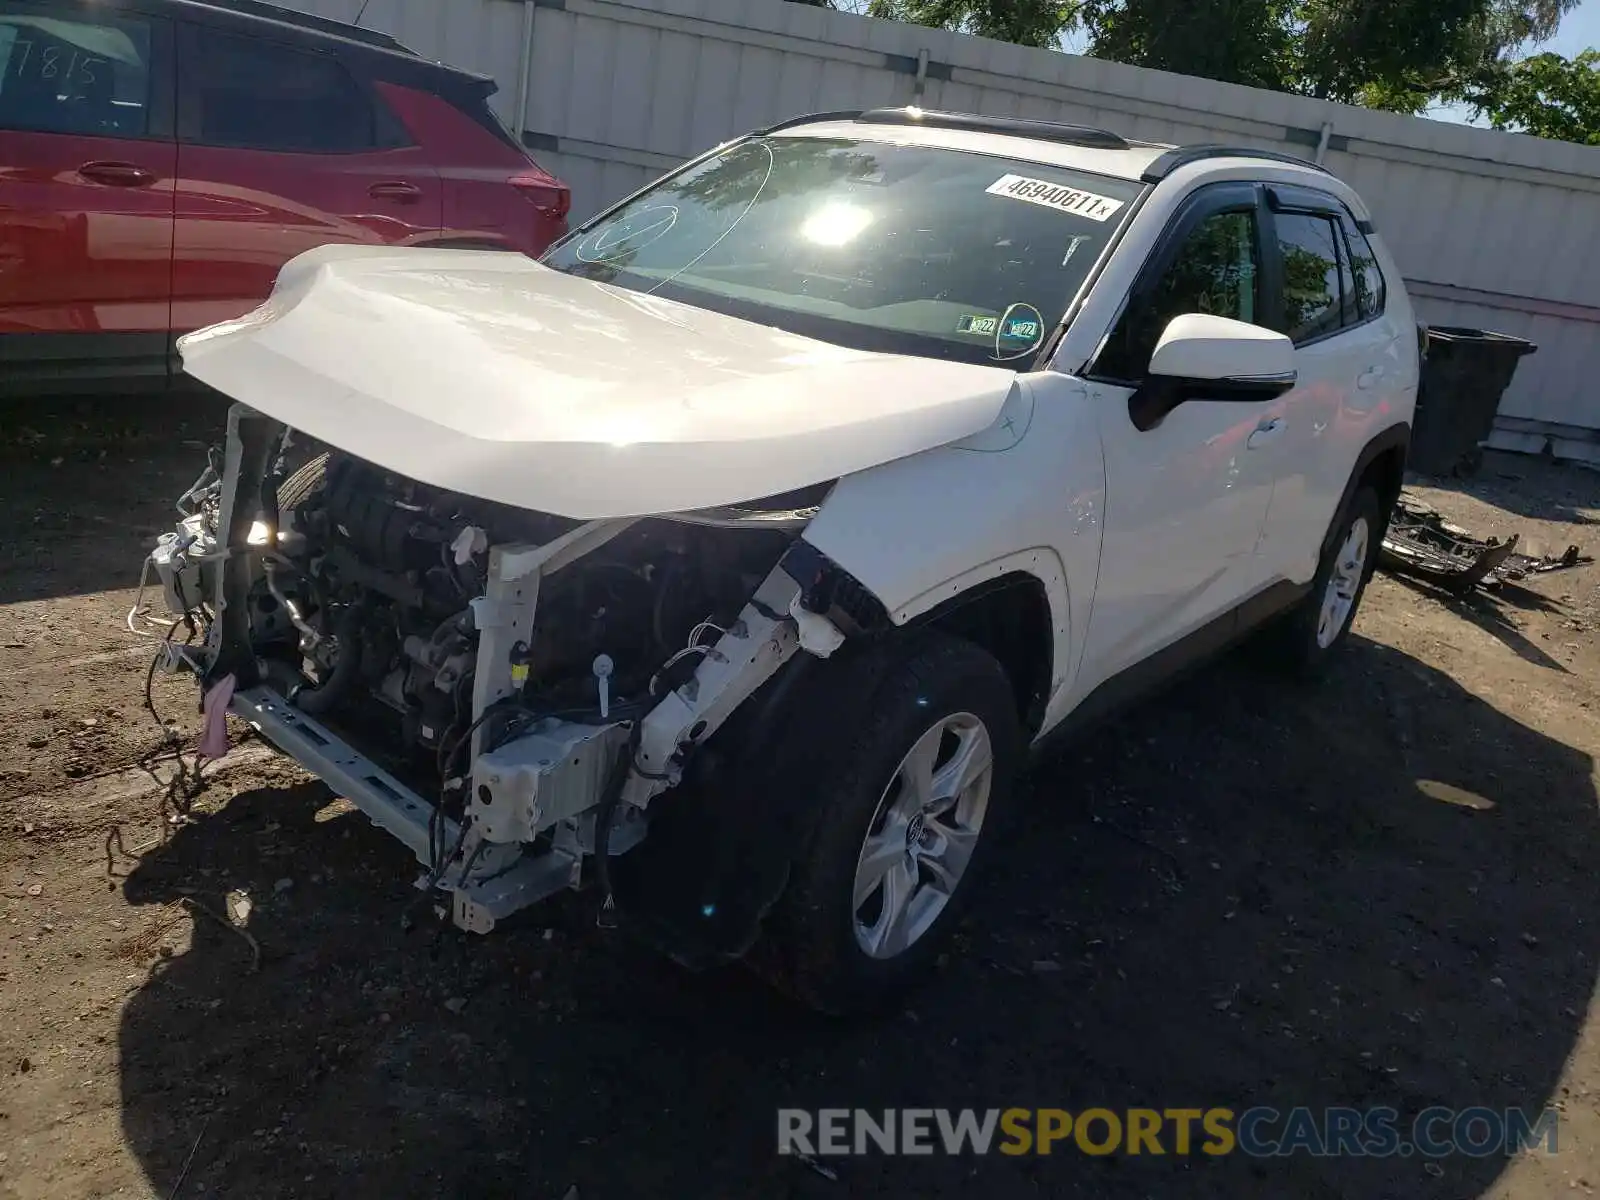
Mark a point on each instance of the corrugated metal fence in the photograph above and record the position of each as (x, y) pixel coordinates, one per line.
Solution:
(1491, 230)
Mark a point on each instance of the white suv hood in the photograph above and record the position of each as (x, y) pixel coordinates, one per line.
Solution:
(488, 374)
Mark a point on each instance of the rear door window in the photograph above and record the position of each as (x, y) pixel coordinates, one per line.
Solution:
(1313, 296)
(64, 71)
(250, 94)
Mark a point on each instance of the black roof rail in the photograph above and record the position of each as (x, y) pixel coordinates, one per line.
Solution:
(288, 16)
(1043, 131)
(849, 114)
(1182, 156)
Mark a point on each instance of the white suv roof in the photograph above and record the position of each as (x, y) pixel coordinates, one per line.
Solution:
(1077, 146)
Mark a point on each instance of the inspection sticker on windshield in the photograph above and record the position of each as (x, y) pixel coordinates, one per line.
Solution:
(1055, 195)
(980, 325)
(1015, 329)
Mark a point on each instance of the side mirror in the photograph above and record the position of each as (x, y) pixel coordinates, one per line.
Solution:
(1202, 357)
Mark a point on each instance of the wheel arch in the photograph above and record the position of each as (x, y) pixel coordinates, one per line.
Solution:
(1380, 465)
(1011, 617)
(1383, 465)
(1027, 585)
(1015, 606)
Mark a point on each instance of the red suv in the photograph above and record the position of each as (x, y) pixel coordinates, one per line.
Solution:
(161, 159)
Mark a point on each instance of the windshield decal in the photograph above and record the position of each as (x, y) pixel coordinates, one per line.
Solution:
(1055, 195)
(983, 326)
(1013, 329)
(1020, 330)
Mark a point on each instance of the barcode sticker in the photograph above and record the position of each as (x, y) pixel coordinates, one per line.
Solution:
(1055, 195)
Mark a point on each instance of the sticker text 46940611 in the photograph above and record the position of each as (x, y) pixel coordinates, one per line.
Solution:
(1055, 195)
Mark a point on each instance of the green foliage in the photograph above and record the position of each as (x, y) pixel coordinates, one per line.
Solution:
(1026, 22)
(1395, 54)
(1546, 95)
(1239, 41)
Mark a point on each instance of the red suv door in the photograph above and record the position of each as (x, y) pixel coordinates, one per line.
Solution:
(281, 148)
(87, 161)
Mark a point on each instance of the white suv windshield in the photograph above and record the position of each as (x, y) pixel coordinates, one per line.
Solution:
(907, 249)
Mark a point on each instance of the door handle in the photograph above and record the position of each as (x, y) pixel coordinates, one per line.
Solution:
(1369, 377)
(117, 174)
(395, 189)
(1266, 432)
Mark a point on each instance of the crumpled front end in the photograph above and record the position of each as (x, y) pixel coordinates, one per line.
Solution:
(481, 549)
(506, 691)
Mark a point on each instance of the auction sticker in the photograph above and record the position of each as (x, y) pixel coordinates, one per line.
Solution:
(1055, 195)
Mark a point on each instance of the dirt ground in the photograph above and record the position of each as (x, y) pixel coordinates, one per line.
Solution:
(1236, 895)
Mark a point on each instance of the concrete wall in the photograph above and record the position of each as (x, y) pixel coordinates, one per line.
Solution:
(1491, 230)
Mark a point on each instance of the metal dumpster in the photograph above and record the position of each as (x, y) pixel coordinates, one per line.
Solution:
(1464, 374)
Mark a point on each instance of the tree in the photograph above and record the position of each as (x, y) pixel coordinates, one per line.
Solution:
(1395, 54)
(1239, 41)
(1026, 22)
(1403, 54)
(1546, 95)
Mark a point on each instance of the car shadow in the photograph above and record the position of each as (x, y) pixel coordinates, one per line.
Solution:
(1488, 610)
(1238, 895)
(86, 486)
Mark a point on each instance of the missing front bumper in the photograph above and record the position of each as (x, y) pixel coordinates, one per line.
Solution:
(499, 879)
(534, 807)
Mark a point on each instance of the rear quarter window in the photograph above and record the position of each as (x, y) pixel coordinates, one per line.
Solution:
(1371, 291)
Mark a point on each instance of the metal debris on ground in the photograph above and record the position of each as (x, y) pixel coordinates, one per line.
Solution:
(1421, 542)
(189, 1162)
(821, 1168)
(245, 934)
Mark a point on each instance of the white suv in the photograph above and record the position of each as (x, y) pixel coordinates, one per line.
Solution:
(738, 554)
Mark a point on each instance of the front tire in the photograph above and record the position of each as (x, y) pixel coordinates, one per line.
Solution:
(294, 491)
(912, 806)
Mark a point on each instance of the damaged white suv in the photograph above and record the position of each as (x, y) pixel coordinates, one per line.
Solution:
(738, 554)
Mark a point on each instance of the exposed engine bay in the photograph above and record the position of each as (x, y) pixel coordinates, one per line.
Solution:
(504, 690)
(366, 607)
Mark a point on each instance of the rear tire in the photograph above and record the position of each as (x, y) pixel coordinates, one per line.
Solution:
(913, 802)
(1305, 640)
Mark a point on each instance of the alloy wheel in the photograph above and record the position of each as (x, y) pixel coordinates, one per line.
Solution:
(922, 836)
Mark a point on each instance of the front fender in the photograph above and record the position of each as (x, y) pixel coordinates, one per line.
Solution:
(1025, 496)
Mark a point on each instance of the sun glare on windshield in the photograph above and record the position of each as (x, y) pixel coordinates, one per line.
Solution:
(871, 245)
(835, 224)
